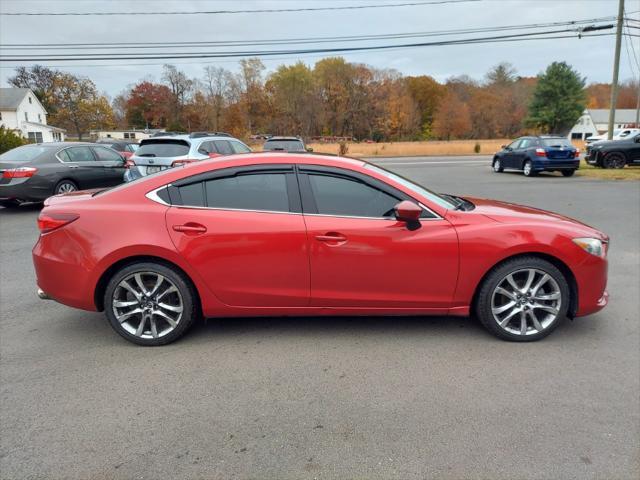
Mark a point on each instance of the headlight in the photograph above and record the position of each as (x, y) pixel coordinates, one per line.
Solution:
(594, 246)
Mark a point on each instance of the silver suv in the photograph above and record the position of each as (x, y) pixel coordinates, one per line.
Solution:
(159, 153)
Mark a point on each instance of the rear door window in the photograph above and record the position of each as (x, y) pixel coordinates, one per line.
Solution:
(80, 154)
(163, 148)
(252, 191)
(107, 155)
(240, 148)
(223, 147)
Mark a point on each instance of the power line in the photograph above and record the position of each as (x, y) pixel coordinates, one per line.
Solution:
(291, 41)
(262, 53)
(219, 12)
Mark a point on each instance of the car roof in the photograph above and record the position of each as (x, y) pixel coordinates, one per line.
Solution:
(60, 144)
(190, 138)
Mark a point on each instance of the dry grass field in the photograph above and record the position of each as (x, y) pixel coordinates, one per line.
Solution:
(408, 149)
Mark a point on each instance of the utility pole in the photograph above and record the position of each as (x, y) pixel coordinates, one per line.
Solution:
(616, 68)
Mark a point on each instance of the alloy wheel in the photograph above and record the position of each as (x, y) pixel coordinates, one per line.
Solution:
(497, 167)
(527, 168)
(147, 305)
(526, 302)
(66, 187)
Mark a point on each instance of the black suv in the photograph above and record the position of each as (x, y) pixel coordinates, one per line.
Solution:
(614, 153)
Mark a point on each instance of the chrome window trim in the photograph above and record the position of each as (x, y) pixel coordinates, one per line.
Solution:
(153, 196)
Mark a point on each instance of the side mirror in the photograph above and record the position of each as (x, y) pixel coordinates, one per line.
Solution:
(409, 212)
(309, 149)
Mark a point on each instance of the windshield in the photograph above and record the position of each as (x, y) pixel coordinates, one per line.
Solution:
(556, 142)
(285, 145)
(414, 187)
(25, 154)
(163, 148)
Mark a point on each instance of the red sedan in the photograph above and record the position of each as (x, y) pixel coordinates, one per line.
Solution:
(298, 234)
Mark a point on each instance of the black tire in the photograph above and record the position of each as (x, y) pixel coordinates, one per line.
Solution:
(10, 203)
(568, 173)
(65, 186)
(497, 166)
(614, 160)
(187, 295)
(527, 169)
(483, 307)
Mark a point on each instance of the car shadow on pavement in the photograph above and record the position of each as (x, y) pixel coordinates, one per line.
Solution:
(22, 209)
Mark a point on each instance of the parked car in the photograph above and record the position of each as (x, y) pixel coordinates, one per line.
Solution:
(159, 153)
(285, 144)
(618, 134)
(614, 153)
(264, 235)
(125, 148)
(532, 155)
(32, 173)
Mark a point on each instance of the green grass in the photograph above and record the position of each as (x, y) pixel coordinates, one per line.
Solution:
(626, 173)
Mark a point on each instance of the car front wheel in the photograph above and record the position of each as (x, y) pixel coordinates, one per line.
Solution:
(523, 299)
(497, 166)
(614, 160)
(150, 303)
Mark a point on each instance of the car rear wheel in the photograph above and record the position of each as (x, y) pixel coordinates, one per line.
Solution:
(568, 173)
(65, 186)
(528, 170)
(523, 299)
(614, 160)
(497, 166)
(150, 303)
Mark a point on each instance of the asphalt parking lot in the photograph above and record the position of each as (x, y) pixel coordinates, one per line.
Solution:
(331, 398)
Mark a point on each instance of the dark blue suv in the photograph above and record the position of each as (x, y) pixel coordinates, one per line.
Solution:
(544, 153)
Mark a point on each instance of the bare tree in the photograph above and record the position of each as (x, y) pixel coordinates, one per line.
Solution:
(180, 86)
(217, 84)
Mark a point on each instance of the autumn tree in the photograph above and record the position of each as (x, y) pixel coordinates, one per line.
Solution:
(78, 105)
(149, 105)
(41, 80)
(427, 94)
(559, 99)
(452, 118)
(291, 99)
(217, 84)
(180, 86)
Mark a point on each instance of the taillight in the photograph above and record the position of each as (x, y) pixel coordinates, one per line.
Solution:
(178, 163)
(20, 172)
(540, 152)
(48, 222)
(577, 155)
(129, 164)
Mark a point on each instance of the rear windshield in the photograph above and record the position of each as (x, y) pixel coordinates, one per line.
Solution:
(286, 145)
(163, 148)
(24, 154)
(556, 142)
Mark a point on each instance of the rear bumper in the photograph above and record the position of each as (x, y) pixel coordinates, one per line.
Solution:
(24, 191)
(552, 165)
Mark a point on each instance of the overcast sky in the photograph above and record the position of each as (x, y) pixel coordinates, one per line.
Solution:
(592, 57)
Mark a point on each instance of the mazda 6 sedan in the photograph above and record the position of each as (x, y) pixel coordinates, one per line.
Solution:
(298, 234)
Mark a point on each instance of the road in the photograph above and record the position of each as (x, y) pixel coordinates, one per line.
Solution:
(372, 398)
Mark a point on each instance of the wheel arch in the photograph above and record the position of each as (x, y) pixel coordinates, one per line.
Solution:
(103, 281)
(559, 264)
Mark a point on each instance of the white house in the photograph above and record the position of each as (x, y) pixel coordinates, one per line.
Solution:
(595, 121)
(22, 112)
(131, 134)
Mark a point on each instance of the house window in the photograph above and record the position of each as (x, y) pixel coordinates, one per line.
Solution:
(35, 137)
(129, 135)
(30, 100)
(26, 116)
(0, 115)
(40, 118)
(576, 136)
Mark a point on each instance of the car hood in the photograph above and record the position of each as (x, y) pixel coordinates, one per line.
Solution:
(505, 212)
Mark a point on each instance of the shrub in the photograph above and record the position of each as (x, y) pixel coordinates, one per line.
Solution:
(476, 147)
(344, 148)
(9, 140)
